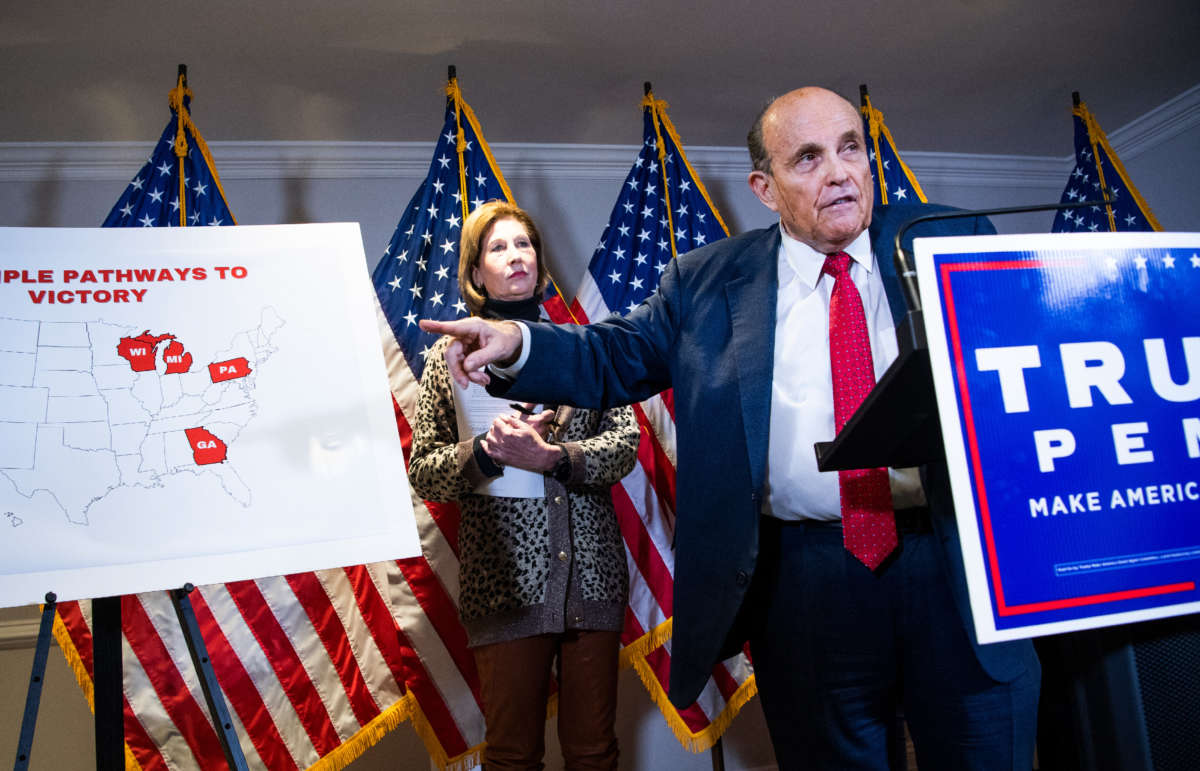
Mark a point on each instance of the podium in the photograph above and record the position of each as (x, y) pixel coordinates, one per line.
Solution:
(1118, 697)
(897, 424)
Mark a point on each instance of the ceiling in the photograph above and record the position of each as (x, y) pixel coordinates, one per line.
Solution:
(972, 76)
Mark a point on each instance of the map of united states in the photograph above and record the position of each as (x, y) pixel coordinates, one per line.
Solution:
(89, 407)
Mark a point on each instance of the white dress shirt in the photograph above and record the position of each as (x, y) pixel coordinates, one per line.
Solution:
(802, 383)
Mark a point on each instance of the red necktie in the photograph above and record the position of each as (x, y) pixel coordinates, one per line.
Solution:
(868, 520)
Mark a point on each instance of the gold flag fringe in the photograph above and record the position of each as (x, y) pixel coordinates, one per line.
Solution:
(75, 662)
(634, 656)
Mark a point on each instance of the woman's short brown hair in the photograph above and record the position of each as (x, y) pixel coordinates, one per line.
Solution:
(474, 228)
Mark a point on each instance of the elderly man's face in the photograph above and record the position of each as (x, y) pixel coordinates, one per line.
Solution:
(819, 181)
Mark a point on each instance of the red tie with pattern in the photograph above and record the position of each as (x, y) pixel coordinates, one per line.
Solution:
(868, 520)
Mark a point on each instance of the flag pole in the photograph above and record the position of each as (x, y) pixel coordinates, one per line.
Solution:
(648, 100)
(453, 92)
(1078, 108)
(716, 753)
(882, 144)
(1097, 156)
(181, 140)
(864, 102)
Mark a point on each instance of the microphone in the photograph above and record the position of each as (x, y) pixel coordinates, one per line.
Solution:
(897, 424)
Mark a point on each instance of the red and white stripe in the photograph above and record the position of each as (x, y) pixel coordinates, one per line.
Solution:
(313, 666)
(423, 592)
(645, 505)
(310, 666)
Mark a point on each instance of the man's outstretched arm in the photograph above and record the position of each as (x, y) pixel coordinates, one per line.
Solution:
(477, 343)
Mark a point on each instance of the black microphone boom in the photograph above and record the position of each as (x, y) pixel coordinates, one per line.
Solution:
(908, 272)
(897, 424)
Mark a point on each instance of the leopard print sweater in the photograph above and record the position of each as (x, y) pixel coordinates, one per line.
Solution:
(529, 566)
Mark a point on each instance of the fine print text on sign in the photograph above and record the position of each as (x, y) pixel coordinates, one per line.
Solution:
(1067, 370)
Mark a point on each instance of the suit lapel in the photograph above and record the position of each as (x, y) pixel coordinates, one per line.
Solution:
(883, 236)
(751, 297)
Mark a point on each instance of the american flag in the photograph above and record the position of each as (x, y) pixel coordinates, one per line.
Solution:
(1097, 167)
(310, 664)
(894, 179)
(417, 278)
(662, 211)
(178, 185)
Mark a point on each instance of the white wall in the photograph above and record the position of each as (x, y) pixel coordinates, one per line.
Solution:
(570, 190)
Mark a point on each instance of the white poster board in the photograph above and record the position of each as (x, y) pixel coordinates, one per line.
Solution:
(191, 405)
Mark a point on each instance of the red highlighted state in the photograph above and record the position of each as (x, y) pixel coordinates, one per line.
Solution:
(229, 370)
(206, 447)
(178, 361)
(139, 351)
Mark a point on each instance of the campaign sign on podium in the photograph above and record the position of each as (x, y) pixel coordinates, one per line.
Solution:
(191, 405)
(1067, 371)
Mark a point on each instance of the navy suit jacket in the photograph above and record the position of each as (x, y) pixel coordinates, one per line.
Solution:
(709, 333)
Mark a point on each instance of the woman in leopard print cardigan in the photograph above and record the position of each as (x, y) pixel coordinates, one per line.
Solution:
(541, 579)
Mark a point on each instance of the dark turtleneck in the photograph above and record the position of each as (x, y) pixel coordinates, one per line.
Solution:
(525, 310)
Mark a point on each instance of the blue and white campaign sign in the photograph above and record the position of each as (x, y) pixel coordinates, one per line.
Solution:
(1067, 370)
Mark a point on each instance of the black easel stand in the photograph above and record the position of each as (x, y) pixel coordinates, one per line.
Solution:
(108, 702)
(108, 696)
(34, 697)
(208, 680)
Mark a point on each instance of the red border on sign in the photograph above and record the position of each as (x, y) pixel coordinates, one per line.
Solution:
(960, 374)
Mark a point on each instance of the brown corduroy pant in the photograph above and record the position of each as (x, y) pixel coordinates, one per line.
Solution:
(515, 683)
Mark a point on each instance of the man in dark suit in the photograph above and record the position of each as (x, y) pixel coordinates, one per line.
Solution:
(849, 586)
